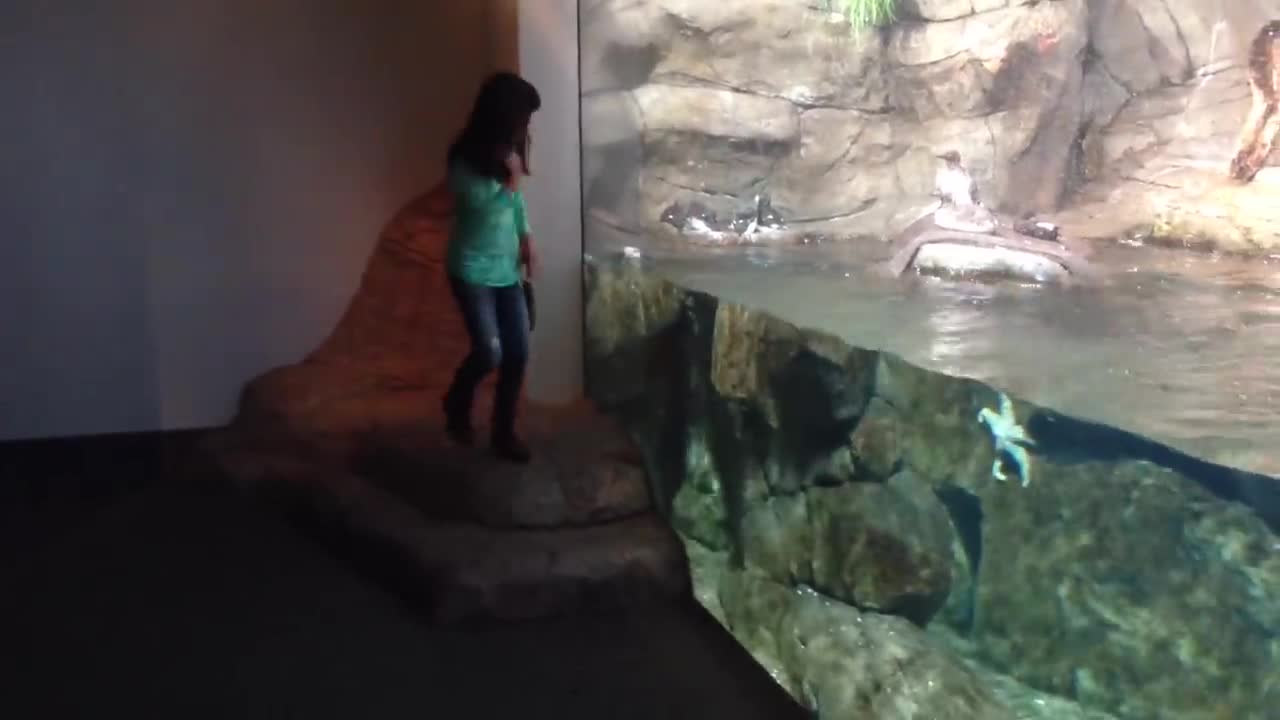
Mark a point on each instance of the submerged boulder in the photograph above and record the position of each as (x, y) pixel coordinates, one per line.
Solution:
(844, 664)
(883, 547)
(1131, 587)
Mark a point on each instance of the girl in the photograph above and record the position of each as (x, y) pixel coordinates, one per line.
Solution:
(488, 246)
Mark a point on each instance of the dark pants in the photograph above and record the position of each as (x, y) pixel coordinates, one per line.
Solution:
(497, 321)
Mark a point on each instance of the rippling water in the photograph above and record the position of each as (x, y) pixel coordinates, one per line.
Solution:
(1180, 346)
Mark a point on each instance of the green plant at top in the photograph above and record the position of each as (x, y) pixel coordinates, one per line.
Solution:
(863, 14)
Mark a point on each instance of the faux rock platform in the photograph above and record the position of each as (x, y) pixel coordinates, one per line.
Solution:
(349, 440)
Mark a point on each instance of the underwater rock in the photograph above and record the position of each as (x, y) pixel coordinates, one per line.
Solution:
(772, 363)
(1161, 598)
(778, 537)
(627, 305)
(644, 365)
(706, 568)
(883, 547)
(844, 664)
(891, 659)
(938, 433)
(699, 509)
(701, 516)
(875, 440)
(746, 350)
(626, 309)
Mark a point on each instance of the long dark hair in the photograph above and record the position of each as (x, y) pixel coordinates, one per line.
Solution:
(499, 124)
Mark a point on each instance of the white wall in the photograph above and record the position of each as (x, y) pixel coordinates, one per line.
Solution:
(548, 31)
(190, 190)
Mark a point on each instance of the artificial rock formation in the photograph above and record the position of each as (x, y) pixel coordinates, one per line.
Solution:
(844, 663)
(350, 439)
(1123, 111)
(842, 516)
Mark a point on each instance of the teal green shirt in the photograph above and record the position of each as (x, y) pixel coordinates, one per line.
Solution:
(484, 245)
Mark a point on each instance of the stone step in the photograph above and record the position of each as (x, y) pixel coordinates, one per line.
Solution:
(466, 570)
(585, 467)
(584, 472)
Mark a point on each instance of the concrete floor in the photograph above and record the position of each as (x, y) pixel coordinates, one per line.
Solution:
(190, 602)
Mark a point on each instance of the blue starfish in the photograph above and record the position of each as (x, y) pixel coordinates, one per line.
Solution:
(1010, 439)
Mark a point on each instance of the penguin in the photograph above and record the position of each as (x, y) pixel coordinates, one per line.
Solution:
(953, 183)
(767, 216)
(764, 218)
(960, 208)
(695, 216)
(743, 222)
(674, 216)
(698, 220)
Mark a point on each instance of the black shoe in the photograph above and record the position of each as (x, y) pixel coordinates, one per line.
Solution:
(512, 449)
(458, 426)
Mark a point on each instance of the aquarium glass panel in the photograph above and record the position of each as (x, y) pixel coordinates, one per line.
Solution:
(946, 330)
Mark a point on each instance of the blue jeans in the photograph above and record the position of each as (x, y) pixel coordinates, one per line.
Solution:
(497, 321)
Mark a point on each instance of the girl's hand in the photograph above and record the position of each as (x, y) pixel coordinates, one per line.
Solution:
(528, 257)
(515, 169)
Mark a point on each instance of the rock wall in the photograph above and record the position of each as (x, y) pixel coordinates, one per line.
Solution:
(843, 518)
(719, 101)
